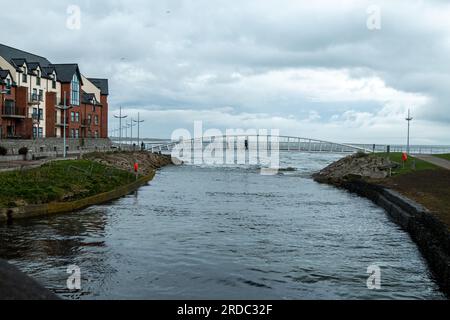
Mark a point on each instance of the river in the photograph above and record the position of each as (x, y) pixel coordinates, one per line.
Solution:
(225, 233)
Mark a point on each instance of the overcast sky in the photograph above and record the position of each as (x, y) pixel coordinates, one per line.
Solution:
(309, 68)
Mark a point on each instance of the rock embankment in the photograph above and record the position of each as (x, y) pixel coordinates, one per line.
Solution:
(358, 166)
(147, 161)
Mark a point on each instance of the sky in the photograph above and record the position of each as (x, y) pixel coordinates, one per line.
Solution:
(343, 71)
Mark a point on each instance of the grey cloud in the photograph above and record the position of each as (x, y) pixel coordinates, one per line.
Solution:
(177, 42)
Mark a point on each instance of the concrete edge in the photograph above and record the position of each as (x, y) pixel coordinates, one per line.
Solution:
(431, 235)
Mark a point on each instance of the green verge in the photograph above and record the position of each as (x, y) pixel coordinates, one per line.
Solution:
(420, 165)
(59, 181)
(443, 156)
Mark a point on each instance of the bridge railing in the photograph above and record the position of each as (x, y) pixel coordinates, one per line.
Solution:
(283, 143)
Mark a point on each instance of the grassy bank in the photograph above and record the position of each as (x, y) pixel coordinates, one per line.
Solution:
(427, 184)
(443, 156)
(411, 165)
(59, 181)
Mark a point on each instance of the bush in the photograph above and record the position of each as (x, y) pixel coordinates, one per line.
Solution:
(23, 151)
(3, 151)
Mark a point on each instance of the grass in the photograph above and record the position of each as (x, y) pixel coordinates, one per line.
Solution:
(443, 156)
(59, 181)
(427, 184)
(408, 167)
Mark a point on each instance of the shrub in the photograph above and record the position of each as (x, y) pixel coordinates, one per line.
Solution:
(3, 151)
(23, 151)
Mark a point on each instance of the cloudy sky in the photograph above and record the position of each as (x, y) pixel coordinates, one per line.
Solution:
(320, 69)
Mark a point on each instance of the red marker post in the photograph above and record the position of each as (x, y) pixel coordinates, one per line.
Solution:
(404, 158)
(136, 169)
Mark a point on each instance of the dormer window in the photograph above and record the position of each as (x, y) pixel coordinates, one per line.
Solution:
(53, 80)
(24, 75)
(38, 78)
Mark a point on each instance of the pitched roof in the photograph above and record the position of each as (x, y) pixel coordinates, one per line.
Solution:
(88, 97)
(4, 73)
(102, 84)
(9, 53)
(65, 72)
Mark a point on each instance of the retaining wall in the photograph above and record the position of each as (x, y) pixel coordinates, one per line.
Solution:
(431, 235)
(52, 145)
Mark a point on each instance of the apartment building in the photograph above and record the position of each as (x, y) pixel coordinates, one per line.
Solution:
(35, 92)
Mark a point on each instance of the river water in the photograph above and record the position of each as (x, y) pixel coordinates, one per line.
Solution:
(224, 233)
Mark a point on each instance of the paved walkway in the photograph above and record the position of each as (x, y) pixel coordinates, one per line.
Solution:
(434, 160)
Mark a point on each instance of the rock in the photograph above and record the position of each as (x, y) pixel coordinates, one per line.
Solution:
(147, 161)
(357, 166)
(15, 285)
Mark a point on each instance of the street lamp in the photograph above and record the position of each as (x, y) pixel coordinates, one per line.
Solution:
(131, 125)
(409, 119)
(2, 92)
(138, 121)
(120, 117)
(64, 108)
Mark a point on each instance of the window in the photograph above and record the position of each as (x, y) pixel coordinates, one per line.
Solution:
(89, 118)
(24, 75)
(77, 117)
(34, 132)
(75, 89)
(8, 86)
(72, 116)
(96, 134)
(41, 95)
(77, 133)
(54, 84)
(34, 96)
(96, 119)
(72, 133)
(38, 80)
(41, 132)
(41, 114)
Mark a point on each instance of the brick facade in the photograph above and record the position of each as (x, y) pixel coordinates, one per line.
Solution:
(23, 116)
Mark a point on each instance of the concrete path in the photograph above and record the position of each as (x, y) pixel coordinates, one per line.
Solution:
(434, 160)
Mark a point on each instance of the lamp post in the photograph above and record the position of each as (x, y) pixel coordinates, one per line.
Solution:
(120, 117)
(3, 92)
(131, 125)
(138, 121)
(409, 119)
(65, 107)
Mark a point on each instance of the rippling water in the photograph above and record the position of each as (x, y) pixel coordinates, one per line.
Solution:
(208, 233)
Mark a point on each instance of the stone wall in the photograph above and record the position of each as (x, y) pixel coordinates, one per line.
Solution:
(52, 145)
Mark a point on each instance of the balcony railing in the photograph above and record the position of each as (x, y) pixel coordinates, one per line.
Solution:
(10, 110)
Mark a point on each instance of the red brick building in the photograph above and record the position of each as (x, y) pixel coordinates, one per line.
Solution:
(35, 91)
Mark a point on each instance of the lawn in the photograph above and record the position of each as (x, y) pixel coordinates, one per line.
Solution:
(59, 181)
(443, 156)
(408, 167)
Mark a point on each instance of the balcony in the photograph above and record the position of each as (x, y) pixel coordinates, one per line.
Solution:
(35, 99)
(11, 111)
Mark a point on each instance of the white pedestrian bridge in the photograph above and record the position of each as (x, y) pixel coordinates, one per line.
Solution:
(256, 142)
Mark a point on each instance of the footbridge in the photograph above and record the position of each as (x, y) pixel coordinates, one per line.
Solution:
(256, 142)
